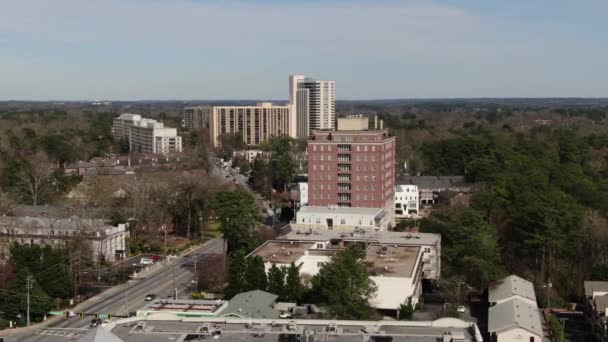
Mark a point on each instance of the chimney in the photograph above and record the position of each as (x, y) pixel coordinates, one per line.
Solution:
(381, 124)
(376, 122)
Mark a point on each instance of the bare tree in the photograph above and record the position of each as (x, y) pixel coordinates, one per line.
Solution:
(7, 205)
(35, 184)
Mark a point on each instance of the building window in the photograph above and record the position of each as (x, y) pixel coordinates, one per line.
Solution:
(320, 264)
(342, 221)
(427, 250)
(318, 220)
(319, 245)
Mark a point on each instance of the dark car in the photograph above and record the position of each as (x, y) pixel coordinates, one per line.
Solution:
(95, 323)
(156, 258)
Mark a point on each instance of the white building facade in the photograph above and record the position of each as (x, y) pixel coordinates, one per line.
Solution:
(342, 218)
(406, 201)
(107, 242)
(121, 126)
(151, 136)
(313, 103)
(303, 193)
(398, 262)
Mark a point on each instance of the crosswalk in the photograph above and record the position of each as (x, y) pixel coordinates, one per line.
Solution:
(66, 332)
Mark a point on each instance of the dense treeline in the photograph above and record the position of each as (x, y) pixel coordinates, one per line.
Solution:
(543, 195)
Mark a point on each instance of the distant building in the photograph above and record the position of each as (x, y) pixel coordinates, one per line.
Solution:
(303, 193)
(341, 218)
(406, 201)
(151, 136)
(313, 103)
(597, 295)
(429, 187)
(107, 242)
(399, 261)
(513, 314)
(121, 126)
(196, 117)
(146, 135)
(351, 169)
(256, 124)
(251, 155)
(353, 123)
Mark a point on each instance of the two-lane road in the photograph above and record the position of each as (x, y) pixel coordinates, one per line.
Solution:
(160, 283)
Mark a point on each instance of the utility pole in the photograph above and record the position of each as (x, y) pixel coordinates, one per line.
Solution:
(195, 276)
(174, 286)
(28, 287)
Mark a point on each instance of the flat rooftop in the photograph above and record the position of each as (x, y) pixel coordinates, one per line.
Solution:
(382, 237)
(392, 261)
(186, 306)
(282, 330)
(282, 252)
(341, 210)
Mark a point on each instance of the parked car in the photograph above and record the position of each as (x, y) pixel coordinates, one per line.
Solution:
(285, 315)
(156, 258)
(461, 308)
(150, 297)
(146, 261)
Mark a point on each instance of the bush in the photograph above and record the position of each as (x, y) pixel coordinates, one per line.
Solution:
(556, 328)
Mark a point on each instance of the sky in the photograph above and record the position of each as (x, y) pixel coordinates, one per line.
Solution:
(246, 49)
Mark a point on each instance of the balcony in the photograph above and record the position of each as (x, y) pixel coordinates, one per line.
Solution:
(344, 158)
(344, 148)
(344, 167)
(343, 187)
(344, 177)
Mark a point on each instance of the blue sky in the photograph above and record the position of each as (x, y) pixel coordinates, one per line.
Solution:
(228, 49)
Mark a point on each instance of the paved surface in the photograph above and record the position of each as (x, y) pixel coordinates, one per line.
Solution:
(131, 299)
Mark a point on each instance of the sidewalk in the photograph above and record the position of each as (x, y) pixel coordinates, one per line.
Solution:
(103, 295)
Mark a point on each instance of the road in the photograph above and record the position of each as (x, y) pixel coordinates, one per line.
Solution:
(132, 298)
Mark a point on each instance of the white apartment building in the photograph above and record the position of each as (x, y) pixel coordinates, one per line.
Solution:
(107, 242)
(151, 136)
(303, 193)
(196, 117)
(256, 124)
(342, 218)
(399, 261)
(406, 201)
(313, 102)
(121, 126)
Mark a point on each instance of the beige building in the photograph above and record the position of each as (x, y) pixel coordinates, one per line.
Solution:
(353, 123)
(107, 241)
(196, 117)
(256, 123)
(151, 136)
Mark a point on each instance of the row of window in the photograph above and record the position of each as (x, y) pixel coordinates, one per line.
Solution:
(345, 148)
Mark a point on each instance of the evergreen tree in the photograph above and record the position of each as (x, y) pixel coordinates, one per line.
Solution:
(237, 280)
(276, 281)
(344, 284)
(239, 217)
(16, 299)
(293, 284)
(255, 275)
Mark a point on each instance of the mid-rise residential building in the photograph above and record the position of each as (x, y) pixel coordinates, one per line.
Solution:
(121, 126)
(429, 187)
(151, 136)
(351, 169)
(406, 201)
(256, 124)
(399, 261)
(196, 117)
(107, 242)
(313, 102)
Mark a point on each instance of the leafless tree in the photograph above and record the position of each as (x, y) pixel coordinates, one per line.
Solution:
(35, 184)
(7, 205)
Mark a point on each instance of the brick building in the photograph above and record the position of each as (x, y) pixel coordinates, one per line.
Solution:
(351, 169)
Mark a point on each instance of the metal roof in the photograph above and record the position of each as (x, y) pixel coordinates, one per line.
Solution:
(512, 314)
(595, 286)
(254, 304)
(509, 287)
(99, 334)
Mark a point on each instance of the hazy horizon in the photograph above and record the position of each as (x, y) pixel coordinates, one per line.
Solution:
(71, 50)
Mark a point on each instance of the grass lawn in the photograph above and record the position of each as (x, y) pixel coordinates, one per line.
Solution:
(212, 230)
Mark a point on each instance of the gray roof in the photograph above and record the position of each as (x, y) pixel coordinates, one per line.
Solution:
(383, 237)
(433, 182)
(509, 287)
(512, 314)
(255, 304)
(595, 286)
(377, 212)
(99, 334)
(601, 303)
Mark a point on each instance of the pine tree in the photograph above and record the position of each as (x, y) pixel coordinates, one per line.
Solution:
(255, 274)
(293, 284)
(276, 281)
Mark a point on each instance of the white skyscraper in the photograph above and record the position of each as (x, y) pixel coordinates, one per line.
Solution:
(313, 104)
